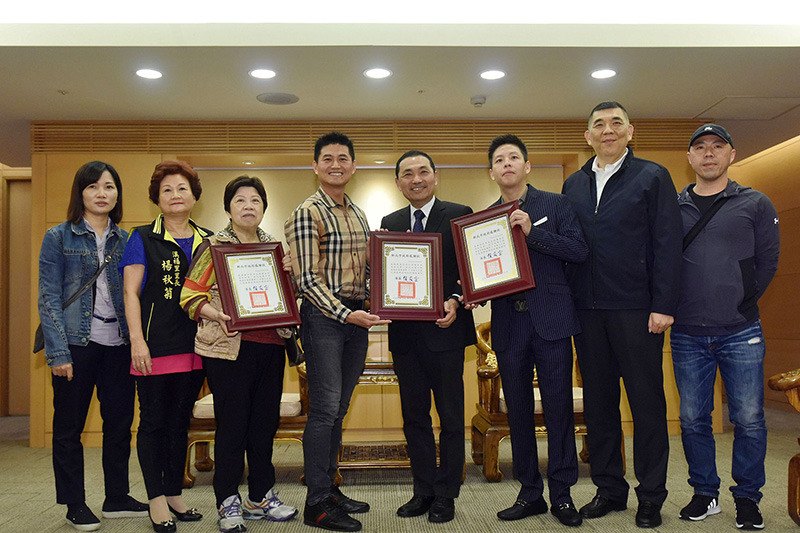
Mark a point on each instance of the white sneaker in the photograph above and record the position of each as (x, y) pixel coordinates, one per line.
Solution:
(270, 508)
(230, 515)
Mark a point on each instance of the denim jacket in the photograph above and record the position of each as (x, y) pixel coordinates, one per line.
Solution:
(68, 259)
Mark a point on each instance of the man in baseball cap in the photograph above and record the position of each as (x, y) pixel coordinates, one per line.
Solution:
(730, 254)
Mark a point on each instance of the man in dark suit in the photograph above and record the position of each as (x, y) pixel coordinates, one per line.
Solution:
(429, 356)
(534, 328)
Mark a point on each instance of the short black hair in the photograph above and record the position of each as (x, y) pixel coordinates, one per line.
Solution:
(333, 137)
(508, 138)
(243, 181)
(412, 153)
(86, 175)
(610, 104)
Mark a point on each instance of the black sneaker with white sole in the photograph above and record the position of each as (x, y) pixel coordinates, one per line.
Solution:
(82, 518)
(748, 515)
(700, 507)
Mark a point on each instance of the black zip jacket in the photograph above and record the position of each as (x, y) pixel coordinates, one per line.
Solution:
(634, 238)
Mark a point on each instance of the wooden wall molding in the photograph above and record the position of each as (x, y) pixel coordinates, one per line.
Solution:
(370, 136)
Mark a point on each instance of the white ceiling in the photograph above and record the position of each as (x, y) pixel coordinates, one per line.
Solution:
(751, 84)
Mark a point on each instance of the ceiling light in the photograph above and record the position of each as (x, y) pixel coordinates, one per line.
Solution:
(377, 73)
(148, 73)
(262, 73)
(604, 73)
(493, 74)
(248, 163)
(380, 161)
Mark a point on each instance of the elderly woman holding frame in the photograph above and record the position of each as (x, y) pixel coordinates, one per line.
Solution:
(245, 373)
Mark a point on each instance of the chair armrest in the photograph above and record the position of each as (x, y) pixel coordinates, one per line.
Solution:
(789, 383)
(488, 372)
(786, 381)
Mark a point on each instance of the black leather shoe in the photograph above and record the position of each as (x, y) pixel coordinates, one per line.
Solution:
(522, 509)
(416, 506)
(327, 514)
(567, 514)
(167, 526)
(442, 510)
(648, 515)
(601, 506)
(348, 505)
(190, 515)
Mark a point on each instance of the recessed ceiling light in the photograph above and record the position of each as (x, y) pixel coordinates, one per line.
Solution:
(262, 73)
(493, 74)
(377, 73)
(379, 161)
(604, 73)
(248, 163)
(148, 73)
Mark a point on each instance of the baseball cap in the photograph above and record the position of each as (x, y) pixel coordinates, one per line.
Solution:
(711, 129)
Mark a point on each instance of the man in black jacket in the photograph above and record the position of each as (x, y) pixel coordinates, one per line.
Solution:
(429, 356)
(626, 296)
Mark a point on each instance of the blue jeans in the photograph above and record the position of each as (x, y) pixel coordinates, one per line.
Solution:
(740, 358)
(335, 355)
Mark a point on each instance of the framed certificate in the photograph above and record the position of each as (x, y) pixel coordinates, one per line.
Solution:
(492, 256)
(255, 290)
(406, 275)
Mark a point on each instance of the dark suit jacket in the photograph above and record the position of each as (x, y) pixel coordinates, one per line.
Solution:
(550, 244)
(461, 332)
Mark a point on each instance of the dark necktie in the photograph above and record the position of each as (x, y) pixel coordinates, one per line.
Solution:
(419, 215)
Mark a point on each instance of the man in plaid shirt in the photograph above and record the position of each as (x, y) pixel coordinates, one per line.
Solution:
(327, 234)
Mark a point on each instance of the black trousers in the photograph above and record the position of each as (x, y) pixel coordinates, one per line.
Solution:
(247, 397)
(553, 362)
(165, 407)
(615, 344)
(108, 369)
(420, 372)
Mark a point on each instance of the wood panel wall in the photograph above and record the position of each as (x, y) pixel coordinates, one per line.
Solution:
(774, 172)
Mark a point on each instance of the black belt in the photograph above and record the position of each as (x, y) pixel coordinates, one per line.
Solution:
(353, 305)
(105, 320)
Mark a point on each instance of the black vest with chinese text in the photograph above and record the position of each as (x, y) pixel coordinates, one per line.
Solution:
(167, 328)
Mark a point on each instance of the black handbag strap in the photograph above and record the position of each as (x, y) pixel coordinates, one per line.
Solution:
(700, 224)
(94, 277)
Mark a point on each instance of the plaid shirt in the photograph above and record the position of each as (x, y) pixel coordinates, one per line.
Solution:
(328, 242)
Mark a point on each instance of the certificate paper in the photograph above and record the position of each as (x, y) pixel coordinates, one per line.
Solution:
(407, 275)
(492, 259)
(256, 288)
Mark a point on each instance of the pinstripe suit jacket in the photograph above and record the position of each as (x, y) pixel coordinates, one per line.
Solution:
(550, 244)
(461, 332)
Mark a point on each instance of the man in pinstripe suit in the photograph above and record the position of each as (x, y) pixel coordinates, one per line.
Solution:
(534, 328)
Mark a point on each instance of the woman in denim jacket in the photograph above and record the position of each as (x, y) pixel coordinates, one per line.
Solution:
(86, 344)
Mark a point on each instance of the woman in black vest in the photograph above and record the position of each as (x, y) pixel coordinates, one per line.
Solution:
(168, 372)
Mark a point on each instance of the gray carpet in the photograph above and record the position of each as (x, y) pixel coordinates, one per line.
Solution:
(28, 502)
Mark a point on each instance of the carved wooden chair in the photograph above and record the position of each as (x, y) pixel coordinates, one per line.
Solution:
(490, 423)
(789, 383)
(294, 415)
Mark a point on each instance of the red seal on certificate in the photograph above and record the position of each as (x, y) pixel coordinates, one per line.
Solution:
(406, 289)
(493, 267)
(259, 299)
